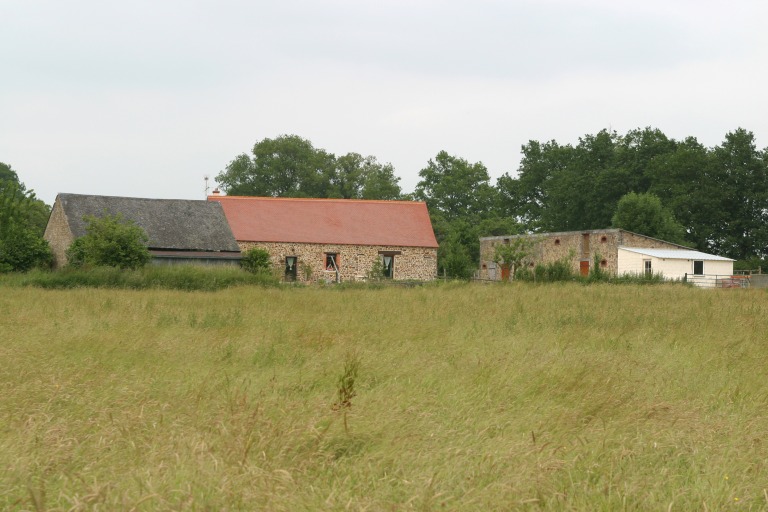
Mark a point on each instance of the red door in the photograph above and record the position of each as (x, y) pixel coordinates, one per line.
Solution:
(505, 272)
(584, 267)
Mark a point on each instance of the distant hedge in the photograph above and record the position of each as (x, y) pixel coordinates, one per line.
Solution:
(180, 277)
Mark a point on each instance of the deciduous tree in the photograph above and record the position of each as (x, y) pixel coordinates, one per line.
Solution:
(644, 214)
(22, 223)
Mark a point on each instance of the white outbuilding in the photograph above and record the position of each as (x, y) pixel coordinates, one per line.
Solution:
(696, 267)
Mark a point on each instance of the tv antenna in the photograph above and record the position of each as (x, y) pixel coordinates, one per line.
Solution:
(206, 178)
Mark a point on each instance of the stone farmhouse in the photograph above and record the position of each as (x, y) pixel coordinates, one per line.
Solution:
(179, 231)
(616, 251)
(336, 239)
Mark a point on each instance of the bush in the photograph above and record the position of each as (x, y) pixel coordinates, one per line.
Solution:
(547, 273)
(21, 250)
(256, 261)
(110, 241)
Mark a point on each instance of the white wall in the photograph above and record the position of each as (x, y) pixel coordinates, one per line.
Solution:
(632, 263)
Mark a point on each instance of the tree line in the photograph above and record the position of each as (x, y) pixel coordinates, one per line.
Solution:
(711, 199)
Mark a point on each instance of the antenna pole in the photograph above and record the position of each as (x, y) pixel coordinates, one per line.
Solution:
(206, 185)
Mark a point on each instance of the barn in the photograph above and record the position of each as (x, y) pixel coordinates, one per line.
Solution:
(695, 267)
(582, 249)
(615, 251)
(179, 230)
(313, 240)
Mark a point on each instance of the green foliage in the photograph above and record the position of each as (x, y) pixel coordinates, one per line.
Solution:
(515, 253)
(345, 387)
(256, 260)
(110, 241)
(22, 223)
(557, 271)
(453, 188)
(718, 196)
(752, 264)
(171, 277)
(463, 207)
(306, 269)
(290, 166)
(644, 214)
(377, 270)
(596, 273)
(21, 250)
(358, 177)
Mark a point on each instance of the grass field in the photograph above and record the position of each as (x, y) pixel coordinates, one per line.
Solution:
(467, 397)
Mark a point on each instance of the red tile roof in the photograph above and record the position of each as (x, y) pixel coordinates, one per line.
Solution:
(328, 221)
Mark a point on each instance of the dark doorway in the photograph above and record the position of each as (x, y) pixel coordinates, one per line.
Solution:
(290, 268)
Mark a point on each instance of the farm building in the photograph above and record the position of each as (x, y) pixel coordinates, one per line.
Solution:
(696, 267)
(336, 239)
(616, 251)
(179, 231)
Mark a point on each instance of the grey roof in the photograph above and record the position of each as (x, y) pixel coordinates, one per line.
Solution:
(180, 224)
(676, 254)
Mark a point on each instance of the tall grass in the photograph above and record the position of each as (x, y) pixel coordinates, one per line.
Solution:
(516, 397)
(178, 277)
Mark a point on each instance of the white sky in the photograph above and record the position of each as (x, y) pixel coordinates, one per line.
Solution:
(144, 98)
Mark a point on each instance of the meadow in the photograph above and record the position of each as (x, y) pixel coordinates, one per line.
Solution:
(441, 397)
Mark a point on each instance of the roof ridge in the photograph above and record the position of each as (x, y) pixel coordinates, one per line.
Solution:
(131, 197)
(317, 199)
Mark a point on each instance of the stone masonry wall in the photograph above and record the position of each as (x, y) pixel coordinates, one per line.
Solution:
(58, 235)
(574, 246)
(354, 261)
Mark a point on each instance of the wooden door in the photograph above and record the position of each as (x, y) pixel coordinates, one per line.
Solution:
(584, 267)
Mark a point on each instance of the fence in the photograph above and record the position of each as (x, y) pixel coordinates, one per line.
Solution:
(718, 281)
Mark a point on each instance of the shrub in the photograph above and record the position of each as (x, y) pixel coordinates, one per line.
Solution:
(256, 261)
(547, 272)
(110, 241)
(21, 250)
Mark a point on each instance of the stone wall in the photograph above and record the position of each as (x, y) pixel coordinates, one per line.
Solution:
(575, 246)
(58, 235)
(354, 261)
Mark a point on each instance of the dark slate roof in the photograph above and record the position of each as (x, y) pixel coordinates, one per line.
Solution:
(179, 224)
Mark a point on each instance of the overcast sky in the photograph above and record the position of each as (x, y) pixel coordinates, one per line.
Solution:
(144, 98)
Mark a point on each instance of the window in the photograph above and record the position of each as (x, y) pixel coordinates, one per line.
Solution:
(388, 264)
(557, 241)
(603, 239)
(603, 263)
(332, 261)
(647, 267)
(698, 268)
(290, 268)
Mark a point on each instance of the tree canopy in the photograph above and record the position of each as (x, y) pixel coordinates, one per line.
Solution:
(713, 199)
(290, 166)
(719, 196)
(644, 214)
(22, 223)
